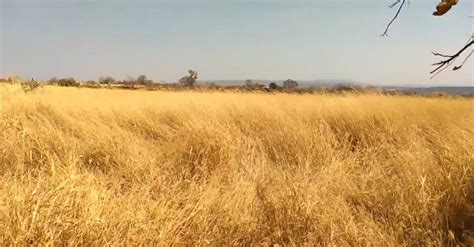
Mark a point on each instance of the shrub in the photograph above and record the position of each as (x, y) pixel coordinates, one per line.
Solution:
(273, 86)
(107, 80)
(68, 82)
(348, 88)
(53, 80)
(143, 80)
(250, 83)
(30, 86)
(189, 80)
(91, 84)
(290, 84)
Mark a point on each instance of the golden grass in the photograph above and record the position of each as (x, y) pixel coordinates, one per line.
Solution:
(112, 167)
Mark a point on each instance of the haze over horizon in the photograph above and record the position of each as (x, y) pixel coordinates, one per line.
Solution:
(232, 40)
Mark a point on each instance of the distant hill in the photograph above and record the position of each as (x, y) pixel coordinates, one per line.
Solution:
(304, 84)
(331, 83)
(464, 91)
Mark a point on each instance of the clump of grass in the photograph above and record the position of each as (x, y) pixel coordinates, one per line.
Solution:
(115, 167)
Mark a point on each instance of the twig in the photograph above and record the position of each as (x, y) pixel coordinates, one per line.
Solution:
(402, 3)
(394, 4)
(463, 62)
(440, 55)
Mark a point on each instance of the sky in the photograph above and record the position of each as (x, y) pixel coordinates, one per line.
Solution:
(232, 39)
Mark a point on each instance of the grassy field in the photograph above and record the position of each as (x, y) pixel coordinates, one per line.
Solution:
(97, 167)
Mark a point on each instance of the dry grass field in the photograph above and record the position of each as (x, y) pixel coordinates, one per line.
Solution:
(116, 167)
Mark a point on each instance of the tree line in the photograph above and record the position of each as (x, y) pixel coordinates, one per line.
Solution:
(142, 80)
(104, 80)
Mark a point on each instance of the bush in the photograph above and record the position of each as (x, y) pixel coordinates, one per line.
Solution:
(290, 84)
(143, 80)
(348, 88)
(30, 86)
(106, 80)
(53, 80)
(68, 82)
(189, 80)
(91, 84)
(250, 83)
(273, 86)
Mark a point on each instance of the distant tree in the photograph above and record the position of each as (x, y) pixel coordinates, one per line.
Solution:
(189, 80)
(250, 83)
(143, 80)
(106, 80)
(212, 85)
(53, 80)
(290, 84)
(129, 81)
(91, 82)
(273, 86)
(68, 82)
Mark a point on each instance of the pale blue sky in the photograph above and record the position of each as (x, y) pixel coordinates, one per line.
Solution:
(260, 39)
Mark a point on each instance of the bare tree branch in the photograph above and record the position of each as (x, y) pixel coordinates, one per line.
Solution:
(443, 64)
(442, 8)
(402, 3)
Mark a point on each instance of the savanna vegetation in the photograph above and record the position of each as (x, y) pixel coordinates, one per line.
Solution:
(84, 166)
